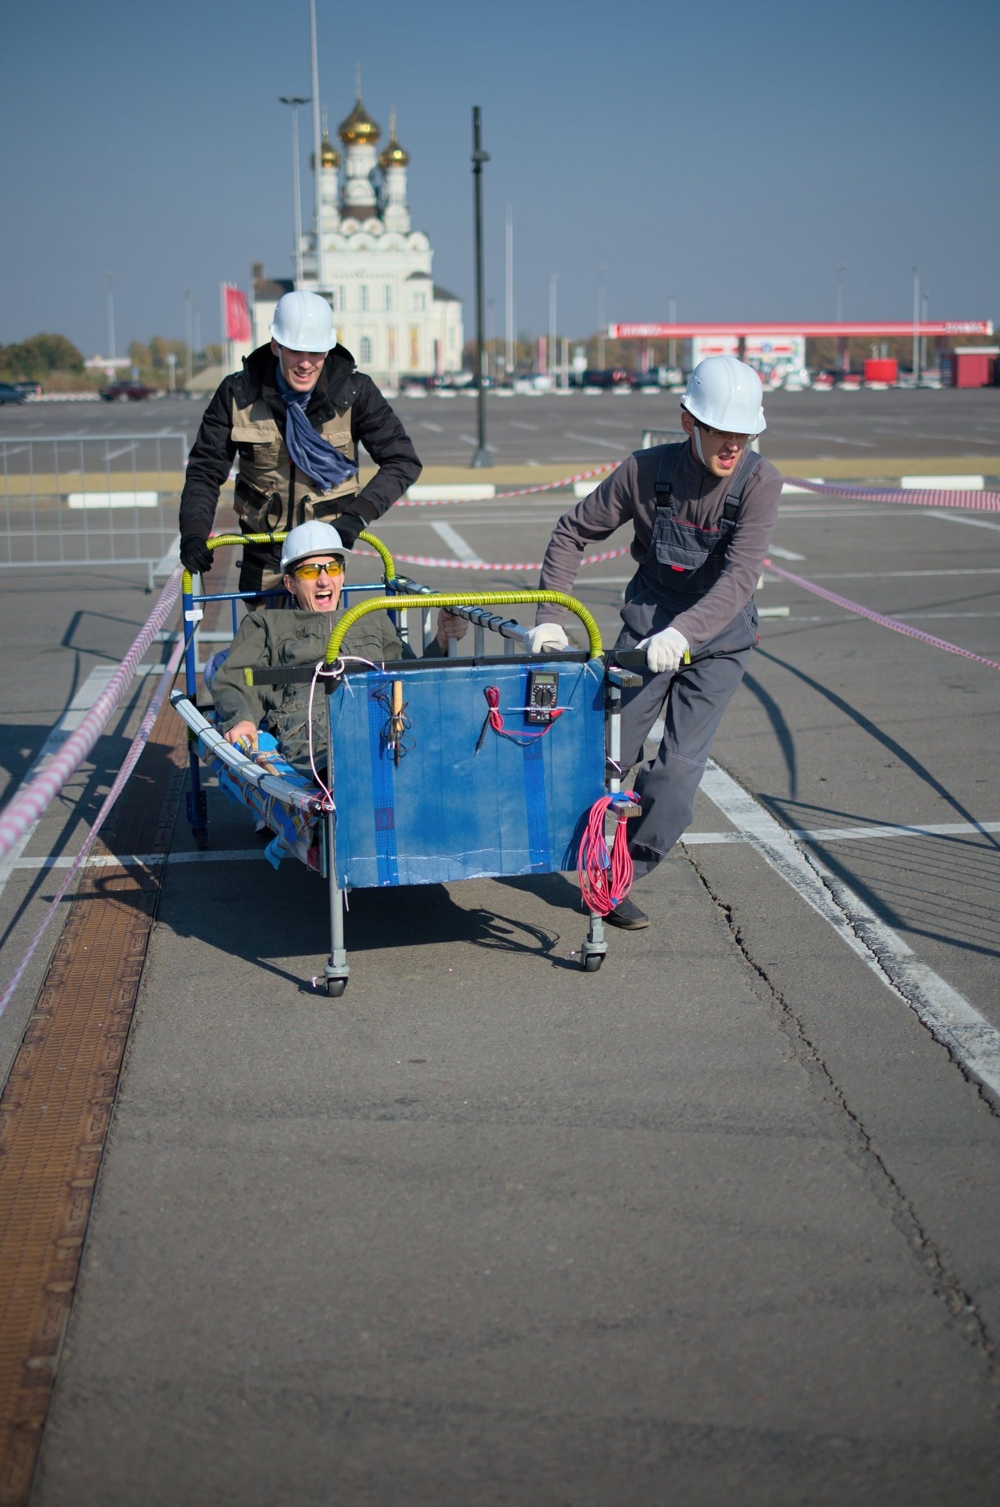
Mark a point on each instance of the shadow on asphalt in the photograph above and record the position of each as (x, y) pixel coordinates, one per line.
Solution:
(290, 919)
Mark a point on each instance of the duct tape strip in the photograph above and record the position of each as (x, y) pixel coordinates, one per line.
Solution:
(29, 803)
(878, 617)
(545, 486)
(608, 554)
(131, 759)
(978, 502)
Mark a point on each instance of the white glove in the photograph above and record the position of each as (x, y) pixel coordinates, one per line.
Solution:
(664, 650)
(546, 636)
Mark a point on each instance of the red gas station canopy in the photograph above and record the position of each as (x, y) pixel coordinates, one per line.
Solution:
(871, 329)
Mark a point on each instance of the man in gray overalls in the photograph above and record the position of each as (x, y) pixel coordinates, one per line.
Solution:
(702, 512)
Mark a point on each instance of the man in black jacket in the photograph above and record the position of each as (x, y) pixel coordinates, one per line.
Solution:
(293, 418)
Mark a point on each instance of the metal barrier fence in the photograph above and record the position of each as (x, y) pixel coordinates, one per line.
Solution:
(74, 499)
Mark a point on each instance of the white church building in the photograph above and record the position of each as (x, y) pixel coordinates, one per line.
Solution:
(366, 260)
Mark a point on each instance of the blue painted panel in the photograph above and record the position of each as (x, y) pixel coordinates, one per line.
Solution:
(446, 812)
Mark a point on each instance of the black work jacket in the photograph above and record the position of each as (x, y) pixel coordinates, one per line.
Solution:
(340, 387)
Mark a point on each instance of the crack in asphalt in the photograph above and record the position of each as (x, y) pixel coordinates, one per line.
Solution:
(946, 1285)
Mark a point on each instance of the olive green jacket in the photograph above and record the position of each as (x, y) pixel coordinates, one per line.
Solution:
(287, 636)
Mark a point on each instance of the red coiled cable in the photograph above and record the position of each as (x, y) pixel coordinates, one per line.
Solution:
(605, 878)
(494, 719)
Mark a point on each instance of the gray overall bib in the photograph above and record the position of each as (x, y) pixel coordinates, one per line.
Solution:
(682, 564)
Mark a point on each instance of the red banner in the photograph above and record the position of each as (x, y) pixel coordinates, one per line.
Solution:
(237, 314)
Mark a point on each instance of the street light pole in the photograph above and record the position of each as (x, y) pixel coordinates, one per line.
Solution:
(295, 100)
(509, 358)
(672, 316)
(916, 321)
(188, 336)
(111, 314)
(317, 149)
(553, 360)
(841, 269)
(924, 301)
(482, 456)
(601, 318)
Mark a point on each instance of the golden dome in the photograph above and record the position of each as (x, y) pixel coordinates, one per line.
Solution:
(359, 127)
(328, 154)
(394, 155)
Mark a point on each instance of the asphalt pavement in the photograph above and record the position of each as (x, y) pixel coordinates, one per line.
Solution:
(717, 1224)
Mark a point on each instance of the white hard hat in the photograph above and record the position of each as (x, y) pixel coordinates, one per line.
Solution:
(312, 538)
(303, 322)
(726, 394)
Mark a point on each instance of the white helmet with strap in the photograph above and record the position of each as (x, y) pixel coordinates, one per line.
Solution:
(726, 394)
(303, 322)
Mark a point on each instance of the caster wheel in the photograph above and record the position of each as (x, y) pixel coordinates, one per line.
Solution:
(592, 961)
(335, 987)
(201, 838)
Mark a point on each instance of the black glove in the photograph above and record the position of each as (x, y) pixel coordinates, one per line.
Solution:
(349, 526)
(195, 554)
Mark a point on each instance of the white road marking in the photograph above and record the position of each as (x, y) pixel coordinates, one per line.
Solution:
(894, 575)
(949, 1017)
(437, 428)
(958, 518)
(517, 424)
(459, 548)
(817, 835)
(470, 439)
(589, 439)
(70, 720)
(784, 554)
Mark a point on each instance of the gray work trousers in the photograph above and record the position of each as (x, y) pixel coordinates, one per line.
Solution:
(696, 697)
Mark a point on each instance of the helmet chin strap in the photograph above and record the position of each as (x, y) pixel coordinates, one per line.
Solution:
(696, 436)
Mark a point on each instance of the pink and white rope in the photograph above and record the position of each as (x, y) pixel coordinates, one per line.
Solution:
(608, 554)
(545, 486)
(29, 803)
(919, 497)
(878, 617)
(131, 759)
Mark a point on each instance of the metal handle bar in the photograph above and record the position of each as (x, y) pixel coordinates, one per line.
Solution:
(452, 599)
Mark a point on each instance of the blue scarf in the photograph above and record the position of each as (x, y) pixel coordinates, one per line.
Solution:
(312, 454)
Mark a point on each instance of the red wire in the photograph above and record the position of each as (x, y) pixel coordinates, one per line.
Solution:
(605, 878)
(495, 718)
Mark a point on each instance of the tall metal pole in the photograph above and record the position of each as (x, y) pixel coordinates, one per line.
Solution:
(111, 314)
(188, 335)
(295, 100)
(482, 456)
(841, 269)
(553, 357)
(317, 148)
(924, 300)
(672, 316)
(509, 360)
(601, 318)
(916, 322)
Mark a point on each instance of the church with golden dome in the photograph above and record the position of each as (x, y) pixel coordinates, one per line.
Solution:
(363, 255)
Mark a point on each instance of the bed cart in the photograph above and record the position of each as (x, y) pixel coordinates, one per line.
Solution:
(444, 769)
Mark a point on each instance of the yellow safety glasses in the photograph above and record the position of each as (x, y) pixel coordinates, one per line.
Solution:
(312, 570)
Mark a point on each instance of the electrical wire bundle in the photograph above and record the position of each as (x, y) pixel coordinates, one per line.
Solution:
(605, 877)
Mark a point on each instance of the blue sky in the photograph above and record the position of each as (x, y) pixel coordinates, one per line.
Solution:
(730, 154)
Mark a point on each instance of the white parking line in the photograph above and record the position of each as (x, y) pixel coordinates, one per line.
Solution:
(949, 1017)
(589, 439)
(958, 518)
(784, 554)
(817, 835)
(459, 548)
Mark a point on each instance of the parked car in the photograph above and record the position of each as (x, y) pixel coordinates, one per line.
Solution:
(607, 377)
(125, 392)
(11, 394)
(30, 389)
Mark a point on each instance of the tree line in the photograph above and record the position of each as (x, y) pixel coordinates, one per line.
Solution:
(58, 365)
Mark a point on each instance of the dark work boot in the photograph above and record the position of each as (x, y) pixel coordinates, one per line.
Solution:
(627, 915)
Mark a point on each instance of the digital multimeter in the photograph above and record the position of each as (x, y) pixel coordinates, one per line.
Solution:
(543, 695)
